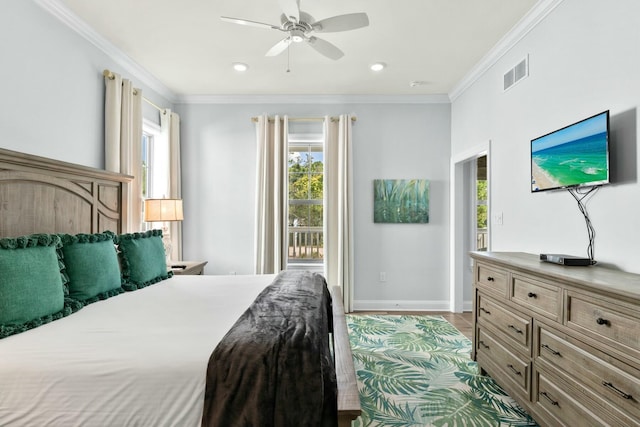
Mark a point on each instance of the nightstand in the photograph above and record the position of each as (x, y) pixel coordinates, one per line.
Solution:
(194, 268)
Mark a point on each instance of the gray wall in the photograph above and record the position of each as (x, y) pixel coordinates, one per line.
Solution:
(53, 92)
(52, 87)
(583, 60)
(390, 141)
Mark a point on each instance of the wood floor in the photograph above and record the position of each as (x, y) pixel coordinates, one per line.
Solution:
(462, 321)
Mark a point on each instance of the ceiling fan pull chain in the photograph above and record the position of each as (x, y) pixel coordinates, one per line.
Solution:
(288, 54)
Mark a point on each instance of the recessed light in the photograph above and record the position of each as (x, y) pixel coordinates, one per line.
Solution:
(239, 66)
(378, 66)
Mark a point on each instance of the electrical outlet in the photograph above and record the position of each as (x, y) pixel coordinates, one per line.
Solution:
(383, 276)
(497, 218)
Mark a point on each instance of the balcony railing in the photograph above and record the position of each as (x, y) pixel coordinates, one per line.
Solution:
(482, 239)
(306, 244)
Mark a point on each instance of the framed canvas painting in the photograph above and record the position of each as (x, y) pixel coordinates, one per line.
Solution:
(401, 201)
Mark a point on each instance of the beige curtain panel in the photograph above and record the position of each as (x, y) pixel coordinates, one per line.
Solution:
(271, 197)
(122, 138)
(170, 124)
(338, 207)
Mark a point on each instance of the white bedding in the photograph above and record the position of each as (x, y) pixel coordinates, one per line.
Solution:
(137, 359)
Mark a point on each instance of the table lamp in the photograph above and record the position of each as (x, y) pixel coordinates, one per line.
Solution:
(164, 210)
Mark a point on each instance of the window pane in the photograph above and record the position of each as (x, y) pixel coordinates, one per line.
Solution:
(298, 215)
(306, 245)
(306, 240)
(298, 161)
(481, 185)
(298, 186)
(316, 159)
(316, 186)
(315, 215)
(482, 216)
(146, 144)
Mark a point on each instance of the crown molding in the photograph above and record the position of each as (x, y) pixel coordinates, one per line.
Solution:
(71, 20)
(520, 30)
(517, 33)
(313, 99)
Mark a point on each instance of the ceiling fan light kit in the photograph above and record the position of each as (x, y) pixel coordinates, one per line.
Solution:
(300, 27)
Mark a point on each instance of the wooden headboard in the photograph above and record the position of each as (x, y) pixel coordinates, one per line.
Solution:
(40, 195)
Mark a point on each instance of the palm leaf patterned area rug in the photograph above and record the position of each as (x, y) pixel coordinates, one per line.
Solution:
(417, 371)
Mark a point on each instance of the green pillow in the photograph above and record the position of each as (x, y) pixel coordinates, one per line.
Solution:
(32, 290)
(142, 259)
(91, 266)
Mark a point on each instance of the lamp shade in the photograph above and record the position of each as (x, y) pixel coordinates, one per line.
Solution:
(163, 210)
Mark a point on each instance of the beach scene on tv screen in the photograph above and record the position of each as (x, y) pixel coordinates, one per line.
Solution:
(575, 155)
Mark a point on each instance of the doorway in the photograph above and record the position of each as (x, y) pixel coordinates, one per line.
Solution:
(470, 210)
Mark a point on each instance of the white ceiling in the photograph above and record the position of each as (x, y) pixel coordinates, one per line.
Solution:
(186, 46)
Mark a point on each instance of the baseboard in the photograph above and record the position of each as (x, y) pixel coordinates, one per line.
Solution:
(400, 305)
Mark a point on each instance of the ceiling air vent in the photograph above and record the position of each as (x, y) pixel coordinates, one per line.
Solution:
(517, 73)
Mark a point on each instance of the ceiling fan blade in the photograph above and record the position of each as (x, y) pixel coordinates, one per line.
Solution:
(347, 22)
(279, 47)
(249, 23)
(291, 9)
(324, 47)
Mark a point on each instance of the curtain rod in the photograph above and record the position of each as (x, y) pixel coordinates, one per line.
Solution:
(108, 74)
(307, 119)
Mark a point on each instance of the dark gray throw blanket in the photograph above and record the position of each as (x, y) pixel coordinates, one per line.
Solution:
(274, 367)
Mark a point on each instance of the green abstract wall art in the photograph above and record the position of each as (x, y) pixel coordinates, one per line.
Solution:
(401, 201)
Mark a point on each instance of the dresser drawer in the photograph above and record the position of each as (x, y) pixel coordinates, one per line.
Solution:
(541, 297)
(490, 353)
(614, 324)
(602, 381)
(492, 279)
(561, 408)
(513, 326)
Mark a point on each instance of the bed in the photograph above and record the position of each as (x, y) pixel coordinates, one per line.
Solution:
(140, 358)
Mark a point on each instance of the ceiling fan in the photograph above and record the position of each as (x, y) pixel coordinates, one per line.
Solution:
(300, 26)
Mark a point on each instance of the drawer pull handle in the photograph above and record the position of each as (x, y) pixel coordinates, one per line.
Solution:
(601, 321)
(485, 310)
(515, 371)
(616, 390)
(483, 344)
(546, 396)
(518, 331)
(532, 295)
(546, 347)
(490, 279)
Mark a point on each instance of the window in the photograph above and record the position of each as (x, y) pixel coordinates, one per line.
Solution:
(147, 146)
(305, 201)
(154, 170)
(482, 241)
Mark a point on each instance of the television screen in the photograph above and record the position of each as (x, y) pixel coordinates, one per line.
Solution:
(576, 155)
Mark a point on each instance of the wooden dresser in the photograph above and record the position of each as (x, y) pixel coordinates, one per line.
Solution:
(562, 341)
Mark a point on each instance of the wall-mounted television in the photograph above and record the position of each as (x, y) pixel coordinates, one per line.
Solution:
(576, 155)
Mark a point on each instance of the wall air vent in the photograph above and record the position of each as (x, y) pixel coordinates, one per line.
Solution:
(517, 73)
